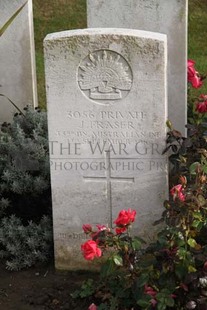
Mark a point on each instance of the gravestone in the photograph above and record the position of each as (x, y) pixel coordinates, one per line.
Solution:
(17, 59)
(163, 16)
(106, 96)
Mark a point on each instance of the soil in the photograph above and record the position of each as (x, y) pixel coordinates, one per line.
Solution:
(41, 288)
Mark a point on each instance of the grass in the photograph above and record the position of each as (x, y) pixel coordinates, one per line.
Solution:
(197, 29)
(53, 16)
(57, 15)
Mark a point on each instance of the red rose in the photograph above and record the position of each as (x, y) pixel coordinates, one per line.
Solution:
(120, 230)
(92, 307)
(202, 96)
(87, 228)
(201, 106)
(177, 192)
(102, 227)
(148, 290)
(90, 250)
(125, 217)
(193, 75)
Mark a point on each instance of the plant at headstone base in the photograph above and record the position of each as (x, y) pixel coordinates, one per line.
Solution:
(24, 166)
(170, 273)
(25, 190)
(23, 246)
(128, 279)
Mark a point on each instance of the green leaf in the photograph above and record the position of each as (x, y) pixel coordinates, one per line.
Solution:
(167, 205)
(143, 303)
(169, 124)
(87, 289)
(196, 223)
(164, 299)
(107, 268)
(170, 302)
(205, 169)
(191, 269)
(194, 168)
(201, 200)
(181, 271)
(143, 279)
(161, 306)
(192, 243)
(103, 307)
(197, 215)
(6, 25)
(118, 260)
(136, 244)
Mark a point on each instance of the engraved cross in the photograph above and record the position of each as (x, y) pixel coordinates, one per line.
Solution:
(108, 179)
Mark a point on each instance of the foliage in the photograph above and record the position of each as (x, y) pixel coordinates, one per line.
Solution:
(24, 166)
(170, 273)
(24, 246)
(25, 191)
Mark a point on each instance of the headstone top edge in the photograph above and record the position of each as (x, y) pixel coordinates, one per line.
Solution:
(106, 31)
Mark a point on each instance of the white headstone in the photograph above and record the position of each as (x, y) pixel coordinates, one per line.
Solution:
(17, 59)
(164, 16)
(106, 95)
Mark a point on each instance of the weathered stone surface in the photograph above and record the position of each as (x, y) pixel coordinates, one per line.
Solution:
(17, 59)
(164, 16)
(106, 96)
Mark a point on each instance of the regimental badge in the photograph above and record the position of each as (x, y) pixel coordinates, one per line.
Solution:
(105, 76)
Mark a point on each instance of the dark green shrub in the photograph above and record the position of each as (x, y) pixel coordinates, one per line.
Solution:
(25, 196)
(24, 166)
(23, 246)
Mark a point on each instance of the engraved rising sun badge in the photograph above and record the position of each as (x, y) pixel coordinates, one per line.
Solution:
(105, 76)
